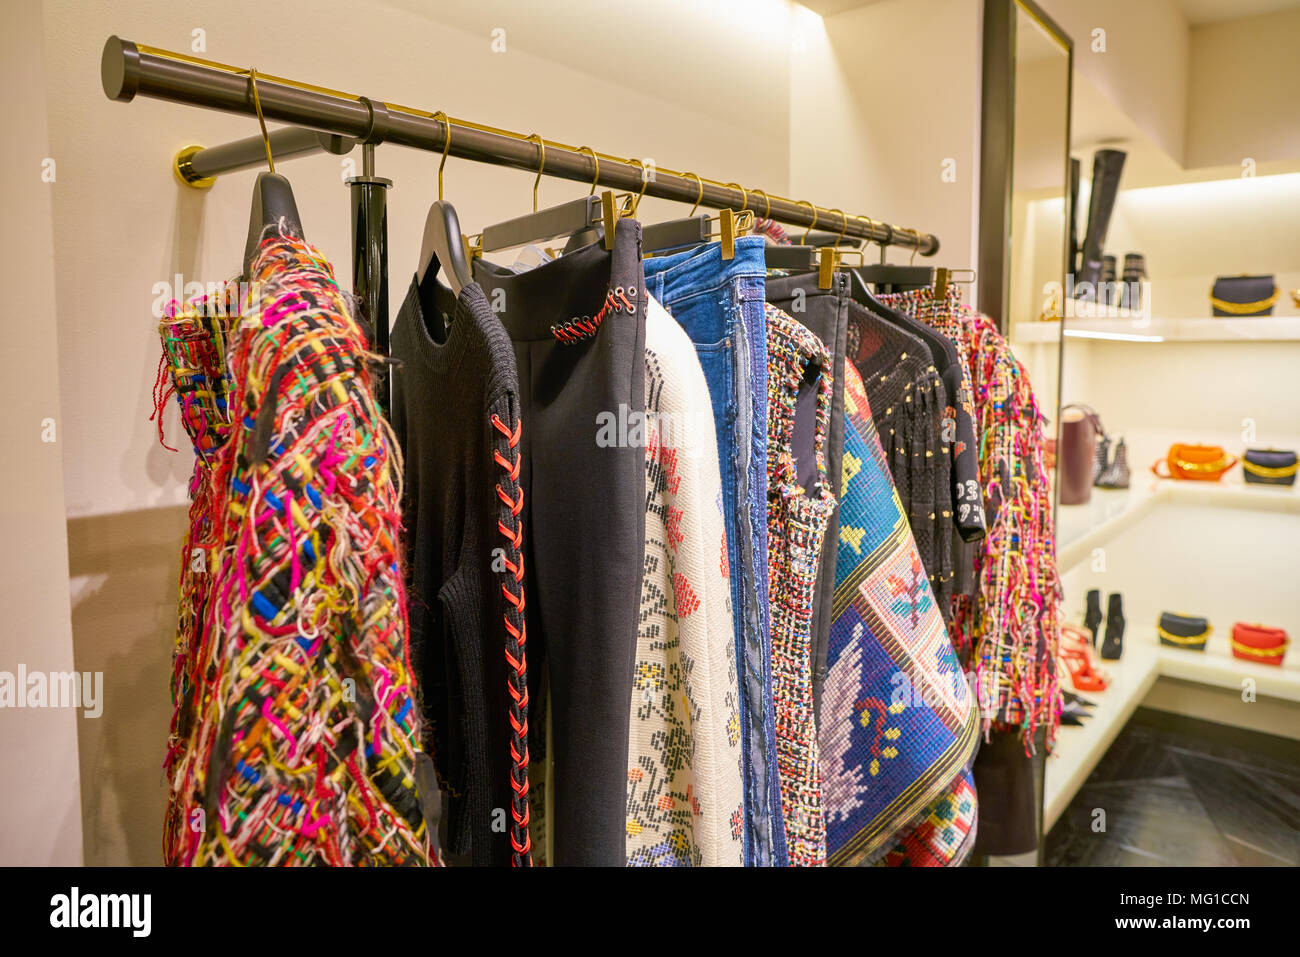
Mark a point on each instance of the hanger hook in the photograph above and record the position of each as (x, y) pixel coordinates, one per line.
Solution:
(844, 228)
(699, 195)
(446, 145)
(744, 195)
(257, 105)
(767, 203)
(916, 233)
(871, 225)
(813, 225)
(596, 160)
(636, 203)
(541, 163)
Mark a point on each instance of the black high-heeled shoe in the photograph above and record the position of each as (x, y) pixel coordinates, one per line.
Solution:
(1092, 617)
(1112, 646)
(1072, 698)
(1073, 714)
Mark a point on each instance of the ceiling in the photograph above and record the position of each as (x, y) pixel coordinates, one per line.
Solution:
(1198, 12)
(828, 7)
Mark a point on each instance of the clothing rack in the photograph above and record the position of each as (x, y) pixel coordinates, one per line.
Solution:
(129, 69)
(326, 120)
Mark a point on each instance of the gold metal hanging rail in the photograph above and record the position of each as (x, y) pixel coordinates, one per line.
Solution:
(129, 69)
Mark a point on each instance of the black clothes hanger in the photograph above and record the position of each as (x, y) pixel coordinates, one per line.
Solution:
(273, 205)
(443, 247)
(887, 277)
(675, 234)
(583, 221)
(273, 208)
(566, 220)
(442, 244)
(810, 253)
(678, 234)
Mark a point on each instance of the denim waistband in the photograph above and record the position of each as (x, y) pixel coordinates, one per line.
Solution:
(703, 268)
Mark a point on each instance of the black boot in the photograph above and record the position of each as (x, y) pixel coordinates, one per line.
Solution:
(1092, 617)
(1135, 274)
(1112, 646)
(1107, 165)
(1116, 474)
(1074, 216)
(1107, 291)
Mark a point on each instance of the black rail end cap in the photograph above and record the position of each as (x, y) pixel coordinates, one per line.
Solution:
(119, 69)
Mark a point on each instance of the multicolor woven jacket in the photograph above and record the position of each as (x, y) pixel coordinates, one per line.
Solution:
(294, 731)
(685, 785)
(898, 722)
(1010, 630)
(797, 519)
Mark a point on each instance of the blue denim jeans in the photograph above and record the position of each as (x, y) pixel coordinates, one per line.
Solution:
(720, 305)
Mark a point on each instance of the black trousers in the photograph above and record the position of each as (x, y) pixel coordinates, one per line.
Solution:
(1008, 785)
(584, 524)
(824, 313)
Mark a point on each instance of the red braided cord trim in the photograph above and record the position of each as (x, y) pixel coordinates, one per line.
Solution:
(580, 328)
(517, 639)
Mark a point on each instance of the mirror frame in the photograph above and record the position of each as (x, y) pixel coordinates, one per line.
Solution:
(997, 148)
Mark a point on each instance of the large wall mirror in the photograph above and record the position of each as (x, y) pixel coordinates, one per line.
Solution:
(1025, 215)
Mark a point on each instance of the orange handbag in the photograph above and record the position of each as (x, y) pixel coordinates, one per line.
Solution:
(1204, 463)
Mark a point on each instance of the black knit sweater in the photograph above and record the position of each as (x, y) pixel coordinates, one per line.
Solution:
(456, 414)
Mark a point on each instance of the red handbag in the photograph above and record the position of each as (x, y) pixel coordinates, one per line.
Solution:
(1259, 643)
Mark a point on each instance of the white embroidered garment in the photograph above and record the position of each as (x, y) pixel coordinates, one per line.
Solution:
(685, 779)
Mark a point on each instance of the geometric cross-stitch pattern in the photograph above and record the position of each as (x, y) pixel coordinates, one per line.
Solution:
(685, 787)
(898, 722)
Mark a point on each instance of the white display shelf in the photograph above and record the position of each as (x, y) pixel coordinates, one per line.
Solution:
(1139, 330)
(1216, 666)
(1108, 512)
(1078, 749)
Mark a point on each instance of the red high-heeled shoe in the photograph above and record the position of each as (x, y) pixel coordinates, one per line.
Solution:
(1082, 675)
(1075, 655)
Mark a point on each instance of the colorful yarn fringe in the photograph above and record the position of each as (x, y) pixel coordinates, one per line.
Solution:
(1010, 630)
(295, 729)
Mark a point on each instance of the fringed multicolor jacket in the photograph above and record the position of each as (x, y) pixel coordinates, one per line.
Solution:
(1010, 630)
(295, 729)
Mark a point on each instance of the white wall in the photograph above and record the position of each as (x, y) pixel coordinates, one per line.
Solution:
(1144, 67)
(1244, 90)
(40, 811)
(881, 96)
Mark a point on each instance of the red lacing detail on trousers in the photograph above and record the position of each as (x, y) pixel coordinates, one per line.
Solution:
(516, 638)
(584, 327)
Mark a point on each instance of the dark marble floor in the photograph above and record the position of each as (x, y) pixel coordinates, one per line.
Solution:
(1179, 791)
